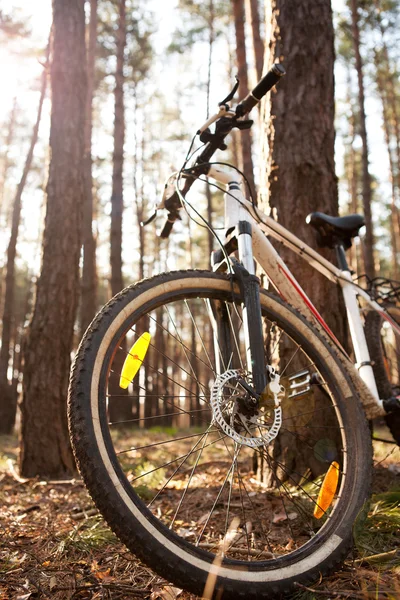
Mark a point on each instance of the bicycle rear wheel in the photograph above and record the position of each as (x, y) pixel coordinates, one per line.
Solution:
(384, 349)
(175, 481)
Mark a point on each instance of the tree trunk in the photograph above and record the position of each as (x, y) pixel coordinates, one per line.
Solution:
(45, 448)
(258, 44)
(352, 179)
(300, 176)
(210, 236)
(120, 409)
(6, 161)
(394, 222)
(117, 201)
(8, 400)
(393, 104)
(89, 274)
(247, 160)
(366, 177)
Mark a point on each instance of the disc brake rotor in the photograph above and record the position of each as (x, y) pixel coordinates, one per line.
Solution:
(258, 433)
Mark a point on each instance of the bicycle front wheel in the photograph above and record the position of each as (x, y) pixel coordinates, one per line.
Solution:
(166, 430)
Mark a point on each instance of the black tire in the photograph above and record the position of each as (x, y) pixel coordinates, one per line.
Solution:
(318, 546)
(384, 350)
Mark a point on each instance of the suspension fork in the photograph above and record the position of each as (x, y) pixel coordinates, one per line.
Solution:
(226, 347)
(236, 221)
(252, 318)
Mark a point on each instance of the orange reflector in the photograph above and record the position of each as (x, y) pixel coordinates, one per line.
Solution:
(134, 360)
(327, 491)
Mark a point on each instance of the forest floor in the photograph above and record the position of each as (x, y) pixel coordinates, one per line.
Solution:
(54, 544)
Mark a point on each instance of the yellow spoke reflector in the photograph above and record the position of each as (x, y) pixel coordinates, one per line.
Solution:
(134, 359)
(327, 491)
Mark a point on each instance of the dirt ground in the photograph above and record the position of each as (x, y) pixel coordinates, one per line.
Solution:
(54, 544)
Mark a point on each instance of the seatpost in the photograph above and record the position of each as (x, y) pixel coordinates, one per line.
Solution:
(341, 257)
(356, 325)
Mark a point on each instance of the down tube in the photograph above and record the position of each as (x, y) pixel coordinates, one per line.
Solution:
(283, 280)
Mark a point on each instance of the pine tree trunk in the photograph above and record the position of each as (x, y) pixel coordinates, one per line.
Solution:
(366, 177)
(4, 177)
(252, 10)
(89, 274)
(394, 222)
(120, 408)
(210, 237)
(8, 400)
(117, 201)
(45, 448)
(239, 16)
(393, 104)
(6, 160)
(352, 179)
(300, 176)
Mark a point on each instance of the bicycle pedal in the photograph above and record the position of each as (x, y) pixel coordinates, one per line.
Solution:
(392, 404)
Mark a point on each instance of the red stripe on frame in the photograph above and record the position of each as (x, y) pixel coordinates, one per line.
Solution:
(311, 306)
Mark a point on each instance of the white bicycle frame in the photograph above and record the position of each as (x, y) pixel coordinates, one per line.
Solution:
(257, 246)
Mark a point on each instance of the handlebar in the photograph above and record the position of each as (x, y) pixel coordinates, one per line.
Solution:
(226, 120)
(166, 230)
(262, 88)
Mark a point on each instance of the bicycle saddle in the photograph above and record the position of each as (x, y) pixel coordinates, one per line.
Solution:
(335, 230)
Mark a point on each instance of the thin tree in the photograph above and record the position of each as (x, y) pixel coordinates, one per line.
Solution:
(45, 448)
(89, 274)
(120, 409)
(8, 397)
(241, 59)
(394, 217)
(366, 176)
(6, 159)
(117, 199)
(252, 10)
(211, 39)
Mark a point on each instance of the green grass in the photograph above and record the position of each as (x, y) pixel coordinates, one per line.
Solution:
(380, 533)
(91, 535)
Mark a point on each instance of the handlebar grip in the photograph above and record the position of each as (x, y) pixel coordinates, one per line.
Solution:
(166, 230)
(265, 85)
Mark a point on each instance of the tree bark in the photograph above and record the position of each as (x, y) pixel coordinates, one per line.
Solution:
(8, 399)
(89, 274)
(299, 153)
(45, 448)
(366, 177)
(117, 201)
(247, 160)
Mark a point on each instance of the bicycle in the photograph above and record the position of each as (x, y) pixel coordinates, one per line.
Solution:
(229, 369)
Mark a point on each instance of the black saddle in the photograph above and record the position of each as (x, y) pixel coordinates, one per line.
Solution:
(332, 231)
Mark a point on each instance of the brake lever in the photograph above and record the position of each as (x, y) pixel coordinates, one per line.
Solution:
(149, 220)
(231, 94)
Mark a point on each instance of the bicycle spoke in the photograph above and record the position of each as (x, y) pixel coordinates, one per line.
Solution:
(189, 480)
(172, 461)
(200, 336)
(173, 440)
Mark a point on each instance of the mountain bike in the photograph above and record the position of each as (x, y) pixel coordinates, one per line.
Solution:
(220, 381)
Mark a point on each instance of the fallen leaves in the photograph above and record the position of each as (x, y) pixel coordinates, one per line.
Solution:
(167, 592)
